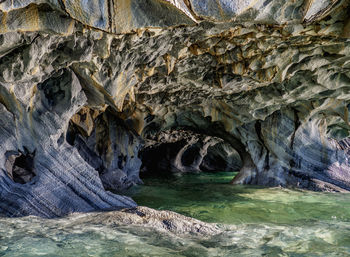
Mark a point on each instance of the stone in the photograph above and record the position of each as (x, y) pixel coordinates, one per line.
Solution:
(159, 220)
(64, 182)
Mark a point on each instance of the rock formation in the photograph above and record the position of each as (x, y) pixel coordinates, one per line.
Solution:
(182, 151)
(82, 83)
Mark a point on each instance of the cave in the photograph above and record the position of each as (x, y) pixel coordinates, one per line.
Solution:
(181, 151)
(259, 88)
(158, 121)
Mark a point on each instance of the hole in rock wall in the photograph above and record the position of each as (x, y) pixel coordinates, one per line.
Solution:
(180, 151)
(20, 166)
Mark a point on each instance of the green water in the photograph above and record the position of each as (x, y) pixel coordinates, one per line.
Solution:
(255, 222)
(209, 197)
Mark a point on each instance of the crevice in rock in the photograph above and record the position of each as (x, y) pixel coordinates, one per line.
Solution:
(110, 9)
(258, 131)
(297, 124)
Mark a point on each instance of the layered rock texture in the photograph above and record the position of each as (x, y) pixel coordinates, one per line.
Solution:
(82, 83)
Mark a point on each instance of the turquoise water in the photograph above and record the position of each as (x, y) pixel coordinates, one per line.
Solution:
(255, 222)
(209, 197)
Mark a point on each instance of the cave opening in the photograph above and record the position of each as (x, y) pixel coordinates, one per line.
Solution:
(187, 172)
(178, 152)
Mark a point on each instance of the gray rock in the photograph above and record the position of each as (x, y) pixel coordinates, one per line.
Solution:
(63, 181)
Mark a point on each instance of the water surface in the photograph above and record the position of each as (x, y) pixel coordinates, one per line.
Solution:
(209, 197)
(255, 222)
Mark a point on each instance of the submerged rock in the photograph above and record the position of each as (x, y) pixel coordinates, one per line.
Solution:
(81, 84)
(159, 220)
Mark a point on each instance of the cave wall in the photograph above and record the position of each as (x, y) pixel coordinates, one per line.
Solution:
(270, 78)
(107, 144)
(64, 182)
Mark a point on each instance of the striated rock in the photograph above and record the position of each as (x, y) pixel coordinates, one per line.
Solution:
(63, 181)
(82, 83)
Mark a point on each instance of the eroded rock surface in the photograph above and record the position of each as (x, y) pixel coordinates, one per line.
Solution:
(81, 84)
(108, 145)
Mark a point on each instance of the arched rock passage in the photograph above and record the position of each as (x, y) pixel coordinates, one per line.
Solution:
(289, 148)
(181, 151)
